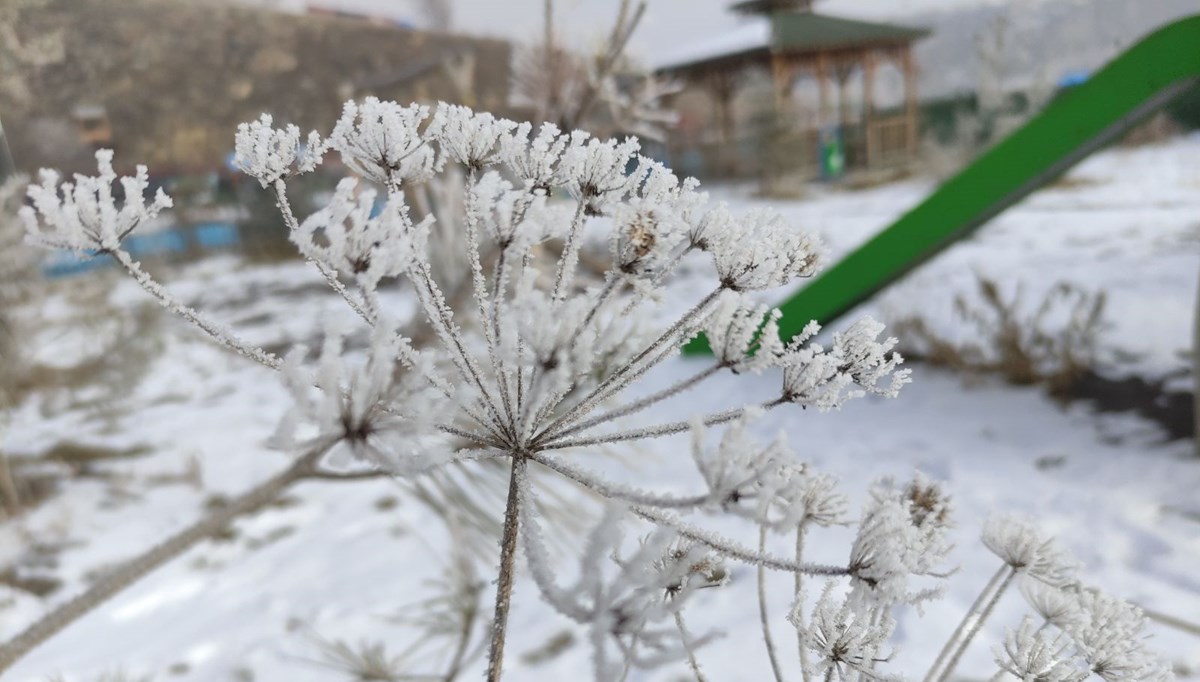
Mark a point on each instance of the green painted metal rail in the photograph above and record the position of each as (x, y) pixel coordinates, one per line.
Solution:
(1083, 119)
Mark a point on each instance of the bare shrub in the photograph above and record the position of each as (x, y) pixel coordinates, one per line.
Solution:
(1054, 344)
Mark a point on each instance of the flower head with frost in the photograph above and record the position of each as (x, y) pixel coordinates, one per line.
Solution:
(762, 251)
(536, 162)
(901, 536)
(1109, 635)
(1032, 654)
(1054, 605)
(856, 364)
(707, 224)
(466, 137)
(800, 498)
(1022, 546)
(597, 173)
(744, 336)
(270, 154)
(371, 411)
(84, 215)
(345, 236)
(847, 641)
(735, 469)
(632, 606)
(382, 141)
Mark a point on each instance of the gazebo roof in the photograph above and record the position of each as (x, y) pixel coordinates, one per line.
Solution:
(794, 33)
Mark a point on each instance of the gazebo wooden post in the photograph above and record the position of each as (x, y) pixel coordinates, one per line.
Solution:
(822, 73)
(868, 106)
(721, 86)
(843, 71)
(783, 70)
(911, 113)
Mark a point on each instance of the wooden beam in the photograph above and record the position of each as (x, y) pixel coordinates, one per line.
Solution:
(822, 73)
(868, 106)
(911, 109)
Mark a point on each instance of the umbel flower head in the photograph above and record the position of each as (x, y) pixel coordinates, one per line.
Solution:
(1033, 654)
(270, 154)
(368, 412)
(1022, 546)
(84, 215)
(901, 536)
(849, 642)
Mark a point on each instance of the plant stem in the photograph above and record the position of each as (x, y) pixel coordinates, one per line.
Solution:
(762, 608)
(975, 617)
(687, 646)
(220, 334)
(508, 556)
(799, 587)
(137, 568)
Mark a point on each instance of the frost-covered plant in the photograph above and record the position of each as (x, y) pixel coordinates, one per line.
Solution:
(542, 363)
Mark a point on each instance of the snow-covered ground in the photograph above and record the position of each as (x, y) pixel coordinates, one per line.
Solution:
(345, 560)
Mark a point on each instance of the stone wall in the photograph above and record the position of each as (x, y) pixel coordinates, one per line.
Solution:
(169, 80)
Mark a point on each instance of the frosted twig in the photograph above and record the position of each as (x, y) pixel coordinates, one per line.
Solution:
(221, 334)
(616, 491)
(732, 549)
(763, 618)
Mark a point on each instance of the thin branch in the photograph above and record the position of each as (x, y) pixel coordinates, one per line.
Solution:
(798, 584)
(657, 431)
(763, 619)
(328, 273)
(588, 402)
(638, 406)
(616, 491)
(218, 332)
(734, 550)
(971, 622)
(686, 640)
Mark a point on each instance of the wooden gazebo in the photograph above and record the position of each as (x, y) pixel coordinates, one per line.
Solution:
(788, 41)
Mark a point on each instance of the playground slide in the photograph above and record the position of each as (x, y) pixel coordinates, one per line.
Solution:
(1082, 120)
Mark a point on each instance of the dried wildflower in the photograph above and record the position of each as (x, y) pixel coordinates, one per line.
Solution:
(382, 141)
(1109, 636)
(1021, 546)
(466, 137)
(854, 365)
(347, 237)
(536, 162)
(269, 154)
(84, 215)
(365, 410)
(597, 173)
(762, 251)
(1032, 654)
(899, 539)
(744, 336)
(848, 641)
(1056, 606)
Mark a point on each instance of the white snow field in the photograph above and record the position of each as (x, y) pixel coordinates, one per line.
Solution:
(343, 560)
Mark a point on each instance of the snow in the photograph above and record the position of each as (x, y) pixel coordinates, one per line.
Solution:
(335, 561)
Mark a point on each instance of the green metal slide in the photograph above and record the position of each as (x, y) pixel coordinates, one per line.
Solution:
(1082, 120)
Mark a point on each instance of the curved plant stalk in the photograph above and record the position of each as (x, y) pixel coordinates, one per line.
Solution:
(764, 620)
(139, 567)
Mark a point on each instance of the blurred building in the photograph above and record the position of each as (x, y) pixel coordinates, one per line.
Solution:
(165, 82)
(792, 92)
